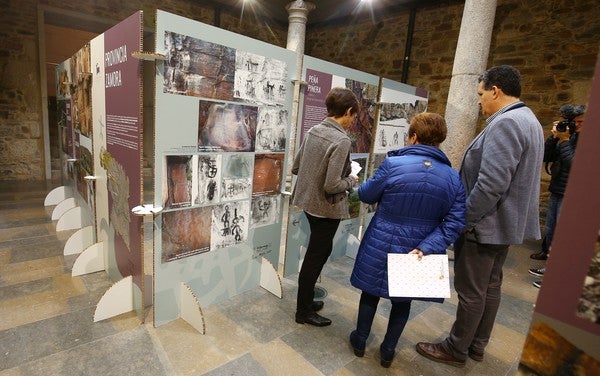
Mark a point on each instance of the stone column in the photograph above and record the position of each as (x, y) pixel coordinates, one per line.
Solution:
(298, 16)
(470, 61)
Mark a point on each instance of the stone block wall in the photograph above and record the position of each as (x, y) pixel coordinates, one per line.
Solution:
(553, 43)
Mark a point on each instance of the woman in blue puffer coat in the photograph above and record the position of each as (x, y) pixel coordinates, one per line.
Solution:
(421, 210)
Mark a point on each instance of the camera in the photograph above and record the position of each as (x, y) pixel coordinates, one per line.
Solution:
(569, 113)
(563, 125)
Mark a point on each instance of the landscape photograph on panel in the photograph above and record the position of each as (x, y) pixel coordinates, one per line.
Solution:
(361, 129)
(268, 173)
(230, 223)
(588, 307)
(394, 119)
(177, 187)
(198, 68)
(185, 232)
(226, 126)
(236, 177)
(271, 129)
(259, 78)
(265, 210)
(208, 187)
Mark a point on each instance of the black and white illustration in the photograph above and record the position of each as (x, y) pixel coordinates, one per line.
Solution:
(230, 223)
(394, 119)
(260, 79)
(208, 173)
(265, 210)
(236, 177)
(271, 129)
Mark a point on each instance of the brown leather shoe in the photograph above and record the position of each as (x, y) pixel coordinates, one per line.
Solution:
(435, 352)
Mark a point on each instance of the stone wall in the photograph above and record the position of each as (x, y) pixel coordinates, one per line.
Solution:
(553, 43)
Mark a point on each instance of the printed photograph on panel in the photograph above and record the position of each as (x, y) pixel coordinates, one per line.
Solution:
(81, 90)
(208, 170)
(178, 175)
(272, 125)
(259, 78)
(118, 188)
(268, 173)
(361, 130)
(265, 210)
(226, 127)
(589, 301)
(236, 177)
(394, 119)
(198, 68)
(185, 232)
(230, 224)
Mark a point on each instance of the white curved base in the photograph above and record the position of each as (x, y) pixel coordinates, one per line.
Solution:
(269, 278)
(116, 300)
(72, 219)
(57, 195)
(89, 261)
(79, 241)
(190, 309)
(62, 207)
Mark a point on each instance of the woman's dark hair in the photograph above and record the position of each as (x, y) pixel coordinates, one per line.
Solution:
(504, 77)
(429, 127)
(339, 100)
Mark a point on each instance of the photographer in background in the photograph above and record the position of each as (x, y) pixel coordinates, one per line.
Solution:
(559, 149)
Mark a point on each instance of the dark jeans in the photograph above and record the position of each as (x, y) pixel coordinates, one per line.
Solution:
(396, 322)
(478, 282)
(554, 204)
(322, 231)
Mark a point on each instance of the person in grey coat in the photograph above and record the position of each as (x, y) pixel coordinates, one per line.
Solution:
(323, 167)
(501, 171)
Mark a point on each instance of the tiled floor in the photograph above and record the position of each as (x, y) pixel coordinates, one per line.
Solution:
(47, 328)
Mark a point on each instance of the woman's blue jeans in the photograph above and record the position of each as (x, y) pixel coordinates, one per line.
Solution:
(554, 204)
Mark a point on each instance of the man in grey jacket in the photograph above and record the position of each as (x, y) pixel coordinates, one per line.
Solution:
(323, 167)
(501, 173)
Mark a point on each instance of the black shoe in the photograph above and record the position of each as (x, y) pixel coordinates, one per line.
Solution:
(537, 284)
(539, 272)
(539, 256)
(313, 319)
(317, 305)
(358, 349)
(386, 357)
(476, 355)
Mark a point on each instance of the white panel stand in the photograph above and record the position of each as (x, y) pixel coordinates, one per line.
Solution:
(352, 246)
(72, 219)
(190, 309)
(90, 261)
(62, 207)
(118, 299)
(79, 241)
(269, 279)
(57, 195)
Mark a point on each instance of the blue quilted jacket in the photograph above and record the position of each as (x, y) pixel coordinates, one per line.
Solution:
(421, 204)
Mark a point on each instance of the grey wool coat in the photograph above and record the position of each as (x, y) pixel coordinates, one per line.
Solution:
(323, 167)
(501, 172)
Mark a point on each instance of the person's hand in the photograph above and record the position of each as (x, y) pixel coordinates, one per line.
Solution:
(561, 136)
(417, 252)
(355, 178)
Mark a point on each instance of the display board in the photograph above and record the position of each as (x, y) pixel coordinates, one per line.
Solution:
(117, 140)
(223, 105)
(565, 328)
(399, 103)
(320, 77)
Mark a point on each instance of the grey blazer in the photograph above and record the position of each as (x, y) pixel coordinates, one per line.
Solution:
(323, 168)
(501, 171)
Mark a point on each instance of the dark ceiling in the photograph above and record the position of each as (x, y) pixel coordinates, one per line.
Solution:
(326, 11)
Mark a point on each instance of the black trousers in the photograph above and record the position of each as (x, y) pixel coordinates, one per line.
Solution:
(320, 244)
